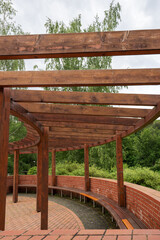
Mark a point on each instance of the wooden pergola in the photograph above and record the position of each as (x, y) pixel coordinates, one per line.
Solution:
(62, 121)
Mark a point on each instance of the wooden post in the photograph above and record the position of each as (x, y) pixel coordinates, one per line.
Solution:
(44, 181)
(86, 163)
(53, 167)
(4, 138)
(120, 181)
(15, 176)
(39, 177)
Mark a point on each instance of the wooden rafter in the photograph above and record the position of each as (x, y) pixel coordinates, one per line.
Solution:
(80, 78)
(80, 44)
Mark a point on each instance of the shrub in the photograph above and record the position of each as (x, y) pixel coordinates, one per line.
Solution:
(32, 171)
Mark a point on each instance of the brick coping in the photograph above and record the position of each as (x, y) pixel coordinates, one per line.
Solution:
(90, 234)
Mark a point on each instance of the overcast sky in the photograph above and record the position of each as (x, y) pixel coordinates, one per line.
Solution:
(135, 14)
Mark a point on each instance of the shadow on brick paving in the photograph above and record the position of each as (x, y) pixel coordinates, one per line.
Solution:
(92, 218)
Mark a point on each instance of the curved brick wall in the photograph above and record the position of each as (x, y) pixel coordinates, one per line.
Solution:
(143, 202)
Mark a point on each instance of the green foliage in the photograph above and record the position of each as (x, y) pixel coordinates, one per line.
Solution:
(143, 176)
(32, 171)
(109, 23)
(9, 27)
(137, 175)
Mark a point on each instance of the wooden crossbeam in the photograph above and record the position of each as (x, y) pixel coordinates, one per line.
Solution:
(84, 125)
(85, 119)
(80, 78)
(54, 130)
(84, 98)
(84, 110)
(80, 44)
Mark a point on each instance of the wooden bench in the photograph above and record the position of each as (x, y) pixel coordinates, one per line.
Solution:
(123, 217)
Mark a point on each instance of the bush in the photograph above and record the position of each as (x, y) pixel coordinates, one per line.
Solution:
(32, 171)
(142, 176)
(137, 175)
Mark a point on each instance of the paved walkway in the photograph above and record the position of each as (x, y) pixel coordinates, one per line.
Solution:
(22, 215)
(115, 234)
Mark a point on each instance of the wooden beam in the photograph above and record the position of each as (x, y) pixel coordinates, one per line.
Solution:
(150, 117)
(44, 179)
(120, 181)
(4, 139)
(56, 130)
(25, 116)
(84, 98)
(84, 126)
(15, 176)
(84, 110)
(86, 167)
(79, 135)
(39, 177)
(63, 78)
(85, 119)
(80, 44)
(53, 167)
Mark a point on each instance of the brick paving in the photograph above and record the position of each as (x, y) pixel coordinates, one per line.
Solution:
(22, 215)
(64, 234)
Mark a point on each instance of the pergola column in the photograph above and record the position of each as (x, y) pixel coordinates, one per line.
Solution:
(86, 167)
(120, 180)
(15, 176)
(44, 180)
(4, 138)
(53, 167)
(39, 176)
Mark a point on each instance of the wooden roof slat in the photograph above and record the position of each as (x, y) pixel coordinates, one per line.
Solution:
(84, 98)
(109, 77)
(84, 125)
(54, 130)
(80, 44)
(89, 110)
(85, 119)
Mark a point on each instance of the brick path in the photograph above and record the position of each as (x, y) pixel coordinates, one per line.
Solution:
(22, 215)
(82, 235)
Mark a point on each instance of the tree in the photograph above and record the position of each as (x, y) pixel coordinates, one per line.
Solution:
(9, 27)
(109, 23)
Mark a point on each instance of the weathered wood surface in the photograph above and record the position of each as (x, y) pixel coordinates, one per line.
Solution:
(86, 167)
(85, 119)
(120, 180)
(84, 110)
(53, 167)
(44, 180)
(80, 78)
(4, 139)
(84, 125)
(80, 44)
(39, 177)
(85, 98)
(15, 176)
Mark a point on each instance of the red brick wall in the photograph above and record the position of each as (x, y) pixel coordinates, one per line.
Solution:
(71, 181)
(143, 202)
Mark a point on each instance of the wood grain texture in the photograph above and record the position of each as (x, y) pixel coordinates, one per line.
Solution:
(85, 98)
(15, 176)
(86, 167)
(4, 139)
(44, 180)
(80, 44)
(53, 167)
(39, 177)
(124, 77)
(120, 180)
(84, 110)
